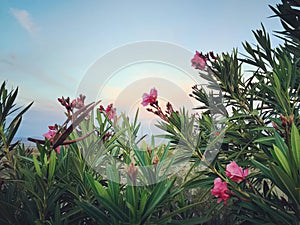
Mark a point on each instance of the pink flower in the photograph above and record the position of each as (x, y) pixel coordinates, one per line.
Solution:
(149, 98)
(199, 61)
(109, 111)
(236, 173)
(50, 135)
(220, 190)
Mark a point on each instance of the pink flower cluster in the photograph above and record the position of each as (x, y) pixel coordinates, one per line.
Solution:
(109, 111)
(199, 61)
(220, 190)
(78, 102)
(75, 103)
(233, 172)
(149, 98)
(50, 135)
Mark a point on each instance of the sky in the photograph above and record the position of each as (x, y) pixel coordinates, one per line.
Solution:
(47, 48)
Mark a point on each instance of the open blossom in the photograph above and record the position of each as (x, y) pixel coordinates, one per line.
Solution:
(149, 98)
(236, 173)
(50, 136)
(199, 61)
(220, 190)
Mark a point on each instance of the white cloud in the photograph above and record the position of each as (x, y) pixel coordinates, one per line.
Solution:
(24, 18)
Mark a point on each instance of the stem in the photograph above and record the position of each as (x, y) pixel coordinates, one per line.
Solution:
(243, 105)
(256, 118)
(216, 172)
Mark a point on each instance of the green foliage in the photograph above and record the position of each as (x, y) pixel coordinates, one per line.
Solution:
(283, 171)
(7, 109)
(67, 188)
(105, 173)
(262, 125)
(10, 120)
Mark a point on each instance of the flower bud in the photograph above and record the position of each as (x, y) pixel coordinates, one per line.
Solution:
(275, 125)
(132, 173)
(155, 160)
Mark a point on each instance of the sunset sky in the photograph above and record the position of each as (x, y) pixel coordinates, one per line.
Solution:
(47, 48)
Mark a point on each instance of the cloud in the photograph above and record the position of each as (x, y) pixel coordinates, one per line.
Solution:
(24, 18)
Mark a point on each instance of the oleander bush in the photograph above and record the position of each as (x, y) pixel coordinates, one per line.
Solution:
(240, 149)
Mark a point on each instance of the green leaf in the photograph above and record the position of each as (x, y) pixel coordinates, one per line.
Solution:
(264, 169)
(282, 160)
(295, 144)
(105, 199)
(37, 166)
(279, 142)
(98, 188)
(284, 182)
(143, 199)
(156, 197)
(196, 220)
(52, 164)
(264, 140)
(113, 183)
(15, 123)
(99, 215)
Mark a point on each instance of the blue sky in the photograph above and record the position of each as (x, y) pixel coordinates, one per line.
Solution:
(46, 47)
